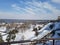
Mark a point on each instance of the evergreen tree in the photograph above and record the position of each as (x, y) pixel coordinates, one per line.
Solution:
(11, 35)
(36, 32)
(1, 40)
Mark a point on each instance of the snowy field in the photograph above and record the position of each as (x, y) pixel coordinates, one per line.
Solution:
(30, 35)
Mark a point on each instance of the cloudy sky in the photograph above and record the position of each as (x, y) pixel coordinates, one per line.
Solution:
(29, 9)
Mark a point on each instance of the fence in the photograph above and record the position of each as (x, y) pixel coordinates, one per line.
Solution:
(24, 41)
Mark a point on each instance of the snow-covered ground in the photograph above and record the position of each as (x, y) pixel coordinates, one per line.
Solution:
(30, 35)
(2, 29)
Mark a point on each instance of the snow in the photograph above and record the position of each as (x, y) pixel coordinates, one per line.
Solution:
(19, 37)
(56, 34)
(57, 25)
(41, 35)
(44, 31)
(57, 28)
(46, 27)
(30, 35)
(3, 28)
(4, 38)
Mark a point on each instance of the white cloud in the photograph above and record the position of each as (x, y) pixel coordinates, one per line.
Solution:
(56, 1)
(41, 6)
(35, 7)
(33, 10)
(6, 15)
(15, 6)
(28, 10)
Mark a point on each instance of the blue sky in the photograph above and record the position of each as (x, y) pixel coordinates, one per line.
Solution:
(29, 9)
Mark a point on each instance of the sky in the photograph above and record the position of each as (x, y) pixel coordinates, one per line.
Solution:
(30, 9)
